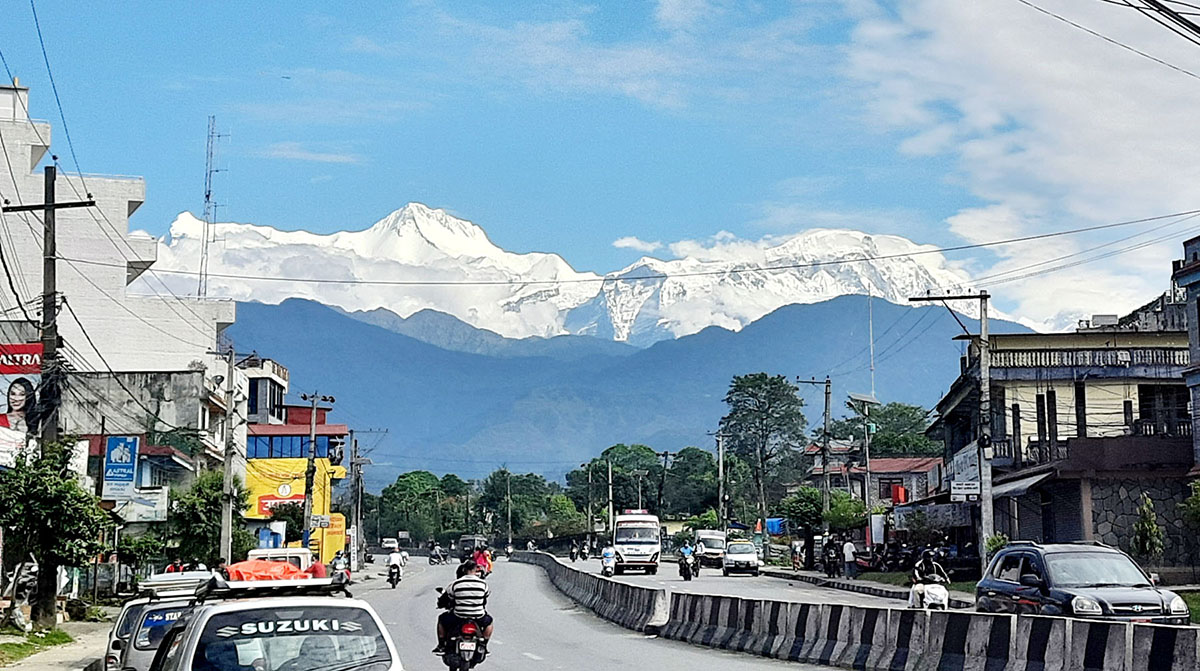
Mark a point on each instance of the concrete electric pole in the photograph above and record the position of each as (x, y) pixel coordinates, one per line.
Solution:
(311, 471)
(226, 549)
(51, 370)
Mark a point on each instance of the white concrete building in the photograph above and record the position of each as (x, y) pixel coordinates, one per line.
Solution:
(148, 368)
(99, 258)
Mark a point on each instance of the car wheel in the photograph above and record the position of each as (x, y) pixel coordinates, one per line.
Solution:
(755, 574)
(725, 572)
(652, 571)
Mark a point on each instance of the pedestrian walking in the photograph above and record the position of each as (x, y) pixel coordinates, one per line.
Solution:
(848, 557)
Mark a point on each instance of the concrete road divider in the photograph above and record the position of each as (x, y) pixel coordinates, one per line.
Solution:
(879, 639)
(637, 608)
(1158, 646)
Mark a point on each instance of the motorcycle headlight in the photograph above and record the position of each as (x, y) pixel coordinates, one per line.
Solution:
(1085, 605)
(1179, 606)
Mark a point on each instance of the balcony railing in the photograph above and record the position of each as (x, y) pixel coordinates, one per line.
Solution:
(1163, 427)
(1142, 356)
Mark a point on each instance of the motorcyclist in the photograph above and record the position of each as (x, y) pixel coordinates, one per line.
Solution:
(340, 563)
(467, 599)
(438, 552)
(574, 550)
(831, 557)
(925, 572)
(685, 553)
(530, 546)
(398, 560)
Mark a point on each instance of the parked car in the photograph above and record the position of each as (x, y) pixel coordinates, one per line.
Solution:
(741, 557)
(155, 619)
(1078, 580)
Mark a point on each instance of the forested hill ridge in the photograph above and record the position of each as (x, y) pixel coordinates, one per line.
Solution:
(464, 412)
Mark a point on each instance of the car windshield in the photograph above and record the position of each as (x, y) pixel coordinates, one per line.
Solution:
(712, 543)
(309, 638)
(130, 620)
(637, 535)
(1094, 569)
(741, 549)
(154, 625)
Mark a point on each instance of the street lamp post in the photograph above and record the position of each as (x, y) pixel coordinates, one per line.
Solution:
(590, 523)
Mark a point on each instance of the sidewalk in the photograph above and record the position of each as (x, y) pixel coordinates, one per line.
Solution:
(862, 586)
(88, 647)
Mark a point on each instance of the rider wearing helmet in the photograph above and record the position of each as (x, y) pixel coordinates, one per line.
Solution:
(925, 572)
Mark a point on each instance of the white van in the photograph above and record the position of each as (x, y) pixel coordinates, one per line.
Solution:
(301, 558)
(638, 541)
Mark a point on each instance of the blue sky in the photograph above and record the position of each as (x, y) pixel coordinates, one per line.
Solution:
(557, 126)
(565, 126)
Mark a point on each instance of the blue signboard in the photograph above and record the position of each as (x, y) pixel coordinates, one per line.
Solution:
(120, 467)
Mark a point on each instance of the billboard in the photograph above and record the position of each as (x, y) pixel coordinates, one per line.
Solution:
(145, 505)
(21, 376)
(120, 467)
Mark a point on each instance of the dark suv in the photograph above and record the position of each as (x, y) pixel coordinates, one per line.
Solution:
(1077, 580)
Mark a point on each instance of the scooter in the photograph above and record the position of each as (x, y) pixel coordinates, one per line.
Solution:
(466, 647)
(608, 564)
(436, 558)
(688, 567)
(574, 553)
(936, 596)
(394, 576)
(583, 553)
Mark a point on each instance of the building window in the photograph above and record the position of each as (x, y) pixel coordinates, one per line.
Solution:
(252, 398)
(1162, 409)
(886, 484)
(258, 447)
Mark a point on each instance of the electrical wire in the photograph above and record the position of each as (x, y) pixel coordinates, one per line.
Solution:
(1108, 39)
(661, 276)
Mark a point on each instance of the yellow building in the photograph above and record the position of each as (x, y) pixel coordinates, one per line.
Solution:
(275, 468)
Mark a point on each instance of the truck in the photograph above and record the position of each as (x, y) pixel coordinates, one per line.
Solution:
(637, 539)
(710, 547)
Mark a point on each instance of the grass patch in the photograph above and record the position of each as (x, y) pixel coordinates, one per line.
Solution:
(33, 644)
(1193, 602)
(900, 579)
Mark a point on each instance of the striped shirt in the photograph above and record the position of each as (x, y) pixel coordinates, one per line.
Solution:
(470, 594)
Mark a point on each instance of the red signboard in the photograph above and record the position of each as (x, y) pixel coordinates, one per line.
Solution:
(21, 359)
(269, 501)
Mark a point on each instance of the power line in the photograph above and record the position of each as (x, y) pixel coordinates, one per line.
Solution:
(663, 276)
(1108, 39)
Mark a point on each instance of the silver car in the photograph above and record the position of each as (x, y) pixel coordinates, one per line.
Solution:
(155, 618)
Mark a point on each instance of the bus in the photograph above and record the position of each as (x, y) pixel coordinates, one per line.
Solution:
(637, 540)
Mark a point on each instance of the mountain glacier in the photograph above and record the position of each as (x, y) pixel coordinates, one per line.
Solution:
(420, 258)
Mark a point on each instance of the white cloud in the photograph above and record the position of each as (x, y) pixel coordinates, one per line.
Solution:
(296, 151)
(1049, 128)
(681, 14)
(633, 242)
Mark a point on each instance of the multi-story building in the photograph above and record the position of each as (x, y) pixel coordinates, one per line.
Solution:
(138, 361)
(277, 460)
(1082, 425)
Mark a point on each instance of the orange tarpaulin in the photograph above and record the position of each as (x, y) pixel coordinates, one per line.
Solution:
(261, 569)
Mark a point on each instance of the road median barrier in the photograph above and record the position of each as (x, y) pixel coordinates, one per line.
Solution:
(1098, 646)
(633, 607)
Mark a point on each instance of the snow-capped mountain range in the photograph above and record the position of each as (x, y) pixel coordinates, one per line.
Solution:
(420, 258)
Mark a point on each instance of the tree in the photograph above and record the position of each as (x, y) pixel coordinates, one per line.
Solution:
(845, 512)
(562, 516)
(803, 509)
(293, 515)
(691, 482)
(765, 421)
(899, 431)
(137, 551)
(706, 520)
(1147, 538)
(412, 503)
(45, 511)
(195, 519)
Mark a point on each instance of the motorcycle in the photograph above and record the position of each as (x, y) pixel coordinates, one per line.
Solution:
(465, 648)
(394, 575)
(583, 553)
(437, 558)
(936, 596)
(688, 567)
(608, 565)
(574, 553)
(508, 552)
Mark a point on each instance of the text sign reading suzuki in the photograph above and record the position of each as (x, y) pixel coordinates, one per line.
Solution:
(120, 467)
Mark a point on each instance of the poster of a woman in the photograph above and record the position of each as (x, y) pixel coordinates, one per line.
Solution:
(22, 401)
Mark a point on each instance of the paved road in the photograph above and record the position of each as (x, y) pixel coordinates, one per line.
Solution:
(536, 628)
(762, 587)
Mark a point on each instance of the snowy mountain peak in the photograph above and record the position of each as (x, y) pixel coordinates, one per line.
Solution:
(422, 258)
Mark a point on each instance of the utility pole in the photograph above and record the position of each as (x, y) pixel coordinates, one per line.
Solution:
(662, 484)
(311, 471)
(51, 369)
(610, 499)
(983, 444)
(508, 496)
(226, 549)
(639, 473)
(828, 384)
(591, 525)
(721, 506)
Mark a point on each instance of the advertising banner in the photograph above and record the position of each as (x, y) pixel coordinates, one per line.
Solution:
(145, 505)
(20, 375)
(120, 467)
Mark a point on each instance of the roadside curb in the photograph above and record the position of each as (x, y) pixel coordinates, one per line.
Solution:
(861, 587)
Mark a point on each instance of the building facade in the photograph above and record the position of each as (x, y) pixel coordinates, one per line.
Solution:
(1083, 424)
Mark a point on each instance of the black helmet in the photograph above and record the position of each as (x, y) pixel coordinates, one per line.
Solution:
(927, 555)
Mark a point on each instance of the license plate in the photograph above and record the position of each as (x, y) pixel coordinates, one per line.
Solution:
(466, 646)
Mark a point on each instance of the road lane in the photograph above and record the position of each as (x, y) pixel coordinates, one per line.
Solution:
(536, 628)
(762, 587)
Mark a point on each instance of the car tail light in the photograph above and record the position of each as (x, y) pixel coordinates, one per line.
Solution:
(470, 629)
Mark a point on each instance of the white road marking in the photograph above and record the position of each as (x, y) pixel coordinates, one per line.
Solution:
(532, 656)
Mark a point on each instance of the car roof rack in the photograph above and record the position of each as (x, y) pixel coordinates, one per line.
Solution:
(161, 592)
(1094, 543)
(219, 588)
